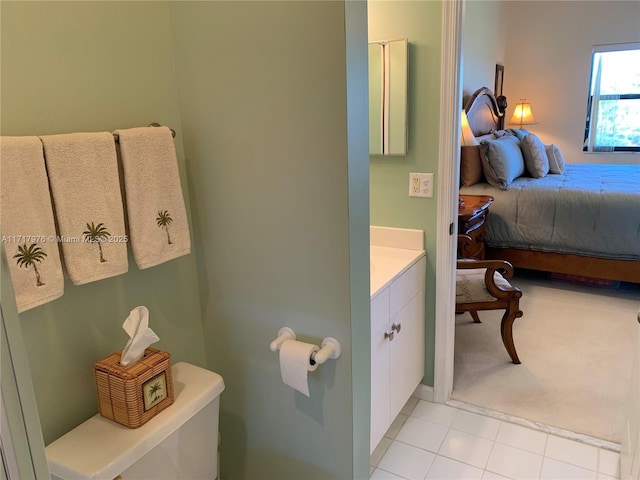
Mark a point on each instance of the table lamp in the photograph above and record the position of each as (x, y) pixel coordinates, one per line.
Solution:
(522, 114)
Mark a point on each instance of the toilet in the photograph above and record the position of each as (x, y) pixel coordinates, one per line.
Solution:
(180, 442)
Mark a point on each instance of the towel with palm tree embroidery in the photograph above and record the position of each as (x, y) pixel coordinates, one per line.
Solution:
(83, 176)
(28, 228)
(157, 218)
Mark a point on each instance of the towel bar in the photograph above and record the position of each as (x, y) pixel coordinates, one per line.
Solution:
(173, 132)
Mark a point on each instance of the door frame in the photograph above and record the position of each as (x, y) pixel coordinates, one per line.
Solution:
(448, 168)
(21, 439)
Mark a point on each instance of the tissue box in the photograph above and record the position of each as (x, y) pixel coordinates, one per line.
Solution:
(134, 394)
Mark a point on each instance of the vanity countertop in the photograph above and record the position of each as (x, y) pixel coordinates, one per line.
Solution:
(386, 263)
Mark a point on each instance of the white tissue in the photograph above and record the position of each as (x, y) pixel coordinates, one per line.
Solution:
(140, 335)
(294, 364)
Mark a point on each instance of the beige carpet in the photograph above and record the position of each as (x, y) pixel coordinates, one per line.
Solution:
(575, 344)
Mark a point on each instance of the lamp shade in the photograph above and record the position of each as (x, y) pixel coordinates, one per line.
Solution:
(522, 114)
(467, 138)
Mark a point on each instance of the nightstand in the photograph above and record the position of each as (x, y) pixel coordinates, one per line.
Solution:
(472, 214)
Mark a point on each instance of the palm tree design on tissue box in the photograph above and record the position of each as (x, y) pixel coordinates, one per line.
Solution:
(155, 391)
(96, 234)
(29, 257)
(164, 220)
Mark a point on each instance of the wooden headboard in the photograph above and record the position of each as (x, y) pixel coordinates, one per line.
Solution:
(485, 112)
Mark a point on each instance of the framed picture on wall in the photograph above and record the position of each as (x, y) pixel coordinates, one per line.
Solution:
(497, 90)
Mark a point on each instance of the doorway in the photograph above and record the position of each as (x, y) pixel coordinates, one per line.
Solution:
(445, 334)
(450, 100)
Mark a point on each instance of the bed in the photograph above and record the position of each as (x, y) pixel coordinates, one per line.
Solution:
(584, 221)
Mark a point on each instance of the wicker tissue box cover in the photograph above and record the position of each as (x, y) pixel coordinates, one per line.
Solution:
(134, 394)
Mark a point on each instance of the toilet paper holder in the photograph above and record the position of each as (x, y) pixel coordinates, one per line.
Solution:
(329, 348)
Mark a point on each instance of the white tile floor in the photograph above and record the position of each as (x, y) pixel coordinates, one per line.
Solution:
(438, 442)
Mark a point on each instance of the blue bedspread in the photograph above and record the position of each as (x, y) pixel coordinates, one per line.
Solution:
(591, 210)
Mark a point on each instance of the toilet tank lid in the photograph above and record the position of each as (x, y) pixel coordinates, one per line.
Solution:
(100, 448)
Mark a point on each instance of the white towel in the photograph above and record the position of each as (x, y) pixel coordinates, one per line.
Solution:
(83, 175)
(28, 228)
(158, 223)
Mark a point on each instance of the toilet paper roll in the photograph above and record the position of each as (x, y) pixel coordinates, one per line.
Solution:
(294, 364)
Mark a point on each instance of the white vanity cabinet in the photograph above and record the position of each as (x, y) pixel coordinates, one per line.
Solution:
(397, 344)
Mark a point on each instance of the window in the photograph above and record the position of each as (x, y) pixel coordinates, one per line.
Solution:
(613, 108)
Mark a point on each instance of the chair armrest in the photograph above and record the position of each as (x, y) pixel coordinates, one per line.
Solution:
(502, 266)
(492, 266)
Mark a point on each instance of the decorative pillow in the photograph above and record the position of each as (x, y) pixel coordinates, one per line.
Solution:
(470, 166)
(487, 136)
(502, 160)
(535, 156)
(500, 133)
(519, 132)
(556, 160)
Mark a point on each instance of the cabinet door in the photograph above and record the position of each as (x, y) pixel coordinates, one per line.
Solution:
(380, 419)
(406, 286)
(407, 353)
(380, 312)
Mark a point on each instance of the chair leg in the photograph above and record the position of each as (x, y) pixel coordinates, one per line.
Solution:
(474, 315)
(506, 330)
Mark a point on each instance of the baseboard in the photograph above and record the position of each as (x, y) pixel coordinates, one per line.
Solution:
(423, 392)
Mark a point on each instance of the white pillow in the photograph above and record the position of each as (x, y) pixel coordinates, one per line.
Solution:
(556, 160)
(535, 156)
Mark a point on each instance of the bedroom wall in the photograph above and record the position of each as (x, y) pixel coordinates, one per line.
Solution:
(548, 62)
(482, 47)
(421, 23)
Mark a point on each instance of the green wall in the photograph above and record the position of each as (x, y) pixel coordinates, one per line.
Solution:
(269, 101)
(264, 94)
(92, 66)
(391, 206)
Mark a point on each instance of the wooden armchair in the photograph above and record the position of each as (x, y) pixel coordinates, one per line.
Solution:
(483, 285)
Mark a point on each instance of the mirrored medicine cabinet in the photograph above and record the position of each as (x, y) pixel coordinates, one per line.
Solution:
(388, 71)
